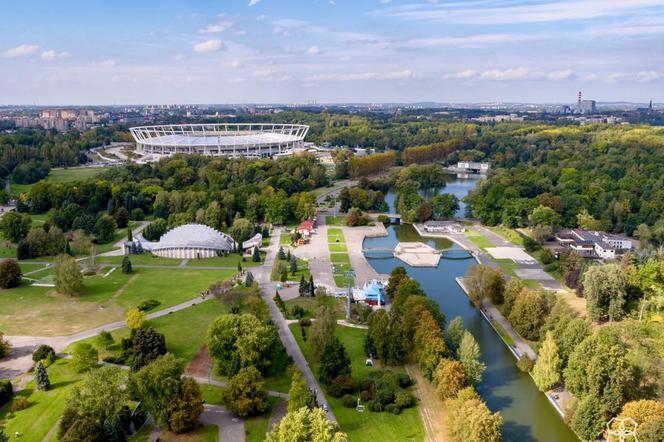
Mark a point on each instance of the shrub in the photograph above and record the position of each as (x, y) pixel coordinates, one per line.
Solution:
(525, 364)
(84, 357)
(547, 256)
(348, 401)
(404, 380)
(148, 305)
(383, 219)
(393, 408)
(552, 267)
(530, 244)
(4, 346)
(105, 339)
(10, 274)
(375, 406)
(6, 391)
(298, 311)
(366, 395)
(305, 322)
(20, 403)
(137, 214)
(44, 352)
(340, 385)
(404, 399)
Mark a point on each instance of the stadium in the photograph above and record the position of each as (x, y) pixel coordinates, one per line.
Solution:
(225, 139)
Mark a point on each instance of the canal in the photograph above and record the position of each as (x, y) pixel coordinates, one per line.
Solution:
(527, 414)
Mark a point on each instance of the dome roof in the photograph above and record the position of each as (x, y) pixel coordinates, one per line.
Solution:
(195, 235)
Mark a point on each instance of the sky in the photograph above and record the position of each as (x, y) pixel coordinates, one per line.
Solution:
(330, 51)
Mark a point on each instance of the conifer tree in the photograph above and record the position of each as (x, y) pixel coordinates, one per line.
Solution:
(41, 377)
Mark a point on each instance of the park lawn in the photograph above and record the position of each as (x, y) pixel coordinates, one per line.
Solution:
(532, 284)
(337, 220)
(285, 239)
(302, 270)
(142, 259)
(507, 265)
(67, 175)
(184, 330)
(208, 433)
(142, 436)
(211, 394)
(340, 258)
(310, 306)
(479, 240)
(510, 235)
(256, 427)
(45, 408)
(406, 426)
(338, 247)
(230, 260)
(40, 311)
(340, 281)
(7, 249)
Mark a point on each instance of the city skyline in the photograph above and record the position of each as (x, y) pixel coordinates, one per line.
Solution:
(245, 51)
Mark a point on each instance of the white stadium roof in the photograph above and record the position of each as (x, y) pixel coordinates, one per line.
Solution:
(223, 139)
(193, 236)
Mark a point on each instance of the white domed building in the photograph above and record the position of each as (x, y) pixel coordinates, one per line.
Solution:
(190, 241)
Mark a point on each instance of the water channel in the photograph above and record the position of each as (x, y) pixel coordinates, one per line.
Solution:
(527, 414)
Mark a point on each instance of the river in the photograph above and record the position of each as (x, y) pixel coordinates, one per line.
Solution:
(527, 414)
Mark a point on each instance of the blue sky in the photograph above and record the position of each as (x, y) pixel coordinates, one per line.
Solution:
(244, 51)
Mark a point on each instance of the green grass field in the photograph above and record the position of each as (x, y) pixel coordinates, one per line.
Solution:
(39, 311)
(479, 240)
(503, 334)
(285, 239)
(256, 427)
(406, 426)
(334, 220)
(211, 394)
(510, 235)
(45, 408)
(340, 258)
(60, 176)
(338, 247)
(312, 304)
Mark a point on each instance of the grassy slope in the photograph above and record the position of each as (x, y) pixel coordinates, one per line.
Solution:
(45, 408)
(365, 426)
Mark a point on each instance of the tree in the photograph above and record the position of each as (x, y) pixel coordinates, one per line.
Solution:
(586, 221)
(10, 274)
(589, 418)
(546, 371)
(44, 353)
(41, 377)
(135, 318)
(568, 334)
(450, 378)
(158, 384)
(322, 331)
(306, 424)
(186, 408)
(67, 276)
(429, 344)
(299, 394)
(256, 255)
(249, 279)
(121, 217)
(604, 289)
(379, 324)
(444, 205)
(544, 216)
(130, 235)
(105, 339)
(646, 413)
(105, 229)
(280, 254)
(397, 275)
(481, 281)
(311, 286)
(241, 230)
(245, 394)
(527, 315)
(238, 341)
(126, 265)
(496, 287)
(15, 225)
(146, 346)
(84, 357)
(455, 331)
(424, 212)
(4, 346)
(469, 356)
(334, 361)
(513, 289)
(3, 435)
(293, 264)
(470, 420)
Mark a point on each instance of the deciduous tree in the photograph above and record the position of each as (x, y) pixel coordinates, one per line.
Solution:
(546, 371)
(245, 394)
(450, 378)
(469, 356)
(299, 394)
(67, 276)
(10, 274)
(334, 361)
(306, 424)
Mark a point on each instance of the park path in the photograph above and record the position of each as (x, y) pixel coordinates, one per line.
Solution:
(268, 288)
(317, 254)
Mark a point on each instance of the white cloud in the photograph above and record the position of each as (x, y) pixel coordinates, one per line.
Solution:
(178, 57)
(589, 77)
(236, 64)
(261, 17)
(396, 75)
(21, 51)
(313, 50)
(263, 73)
(477, 11)
(280, 30)
(212, 45)
(639, 77)
(564, 74)
(106, 63)
(254, 2)
(51, 55)
(217, 27)
(385, 2)
(466, 73)
(506, 74)
(240, 33)
(466, 40)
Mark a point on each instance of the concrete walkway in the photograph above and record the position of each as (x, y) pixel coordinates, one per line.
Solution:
(222, 384)
(268, 289)
(231, 428)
